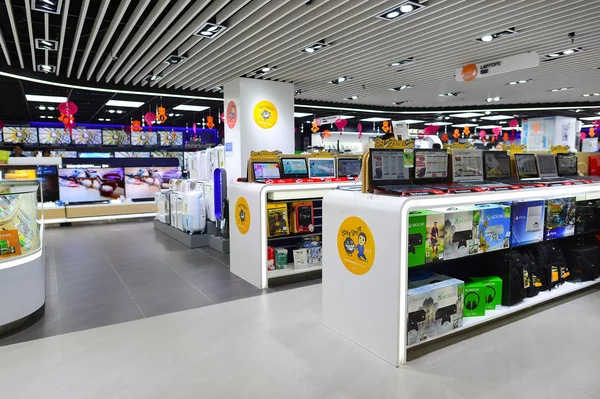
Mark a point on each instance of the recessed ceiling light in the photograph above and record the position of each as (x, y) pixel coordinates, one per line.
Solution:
(402, 62)
(439, 123)
(41, 107)
(406, 8)
(153, 78)
(446, 117)
(569, 51)
(47, 6)
(401, 10)
(400, 102)
(119, 111)
(466, 115)
(341, 79)
(487, 38)
(111, 111)
(517, 82)
(403, 87)
(393, 14)
(488, 112)
(301, 114)
(170, 115)
(498, 35)
(374, 119)
(263, 70)
(298, 92)
(107, 120)
(45, 99)
(493, 99)
(178, 114)
(496, 117)
(195, 108)
(316, 46)
(210, 30)
(409, 121)
(559, 54)
(175, 59)
(351, 98)
(43, 116)
(51, 108)
(465, 125)
(450, 94)
(127, 104)
(589, 94)
(101, 119)
(503, 122)
(474, 120)
(46, 68)
(561, 89)
(46, 45)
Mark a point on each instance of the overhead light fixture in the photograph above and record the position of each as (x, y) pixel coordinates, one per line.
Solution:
(590, 118)
(403, 87)
(488, 112)
(561, 89)
(195, 108)
(314, 47)
(111, 111)
(170, 115)
(219, 88)
(446, 117)
(439, 123)
(210, 30)
(399, 102)
(127, 104)
(512, 128)
(496, 117)
(493, 99)
(301, 114)
(456, 93)
(178, 114)
(45, 99)
(107, 119)
(466, 125)
(559, 54)
(46, 68)
(466, 115)
(487, 126)
(50, 108)
(519, 82)
(409, 121)
(101, 119)
(339, 80)
(263, 70)
(499, 35)
(298, 92)
(43, 116)
(175, 59)
(375, 119)
(41, 107)
(589, 94)
(48, 6)
(119, 111)
(402, 62)
(503, 122)
(402, 10)
(351, 98)
(153, 78)
(46, 45)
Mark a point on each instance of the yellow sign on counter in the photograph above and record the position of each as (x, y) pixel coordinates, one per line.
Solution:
(242, 215)
(356, 245)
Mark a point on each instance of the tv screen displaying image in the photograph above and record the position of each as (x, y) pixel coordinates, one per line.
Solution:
(90, 184)
(114, 137)
(143, 183)
(132, 154)
(94, 155)
(144, 138)
(51, 135)
(171, 139)
(87, 137)
(26, 135)
(48, 174)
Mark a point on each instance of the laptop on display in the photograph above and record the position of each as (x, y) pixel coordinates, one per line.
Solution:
(567, 168)
(496, 172)
(321, 168)
(266, 171)
(431, 170)
(294, 168)
(388, 173)
(548, 169)
(527, 167)
(348, 167)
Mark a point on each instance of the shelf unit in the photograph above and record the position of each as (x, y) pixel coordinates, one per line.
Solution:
(371, 309)
(290, 270)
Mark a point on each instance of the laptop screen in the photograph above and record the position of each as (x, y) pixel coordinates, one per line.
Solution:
(567, 164)
(431, 165)
(547, 165)
(266, 170)
(496, 165)
(294, 167)
(526, 166)
(321, 167)
(387, 166)
(349, 167)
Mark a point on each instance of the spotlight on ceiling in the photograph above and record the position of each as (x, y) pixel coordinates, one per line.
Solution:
(561, 89)
(263, 70)
(298, 92)
(402, 10)
(175, 59)
(339, 80)
(351, 98)
(454, 94)
(560, 54)
(403, 87)
(46, 68)
(519, 82)
(153, 78)
(314, 47)
(493, 99)
(49, 6)
(46, 45)
(210, 30)
(499, 35)
(402, 62)
(590, 94)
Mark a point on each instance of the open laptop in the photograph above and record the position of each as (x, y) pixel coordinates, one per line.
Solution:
(548, 170)
(567, 168)
(266, 171)
(496, 172)
(388, 174)
(349, 167)
(431, 170)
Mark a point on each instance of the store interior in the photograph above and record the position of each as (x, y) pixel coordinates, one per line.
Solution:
(310, 199)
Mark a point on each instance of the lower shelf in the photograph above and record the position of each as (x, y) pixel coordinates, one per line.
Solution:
(290, 270)
(503, 311)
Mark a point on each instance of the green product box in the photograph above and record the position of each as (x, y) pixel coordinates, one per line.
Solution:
(493, 290)
(281, 258)
(425, 237)
(475, 293)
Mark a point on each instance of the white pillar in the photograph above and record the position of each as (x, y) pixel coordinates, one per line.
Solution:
(259, 115)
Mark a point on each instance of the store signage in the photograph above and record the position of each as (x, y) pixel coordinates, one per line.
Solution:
(356, 245)
(327, 119)
(231, 117)
(9, 243)
(400, 129)
(499, 66)
(265, 114)
(242, 215)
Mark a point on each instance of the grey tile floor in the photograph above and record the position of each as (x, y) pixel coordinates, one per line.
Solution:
(275, 346)
(102, 274)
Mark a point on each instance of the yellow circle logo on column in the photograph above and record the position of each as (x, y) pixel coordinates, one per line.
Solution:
(356, 245)
(242, 215)
(265, 114)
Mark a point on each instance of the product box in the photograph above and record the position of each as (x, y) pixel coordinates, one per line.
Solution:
(425, 237)
(435, 305)
(527, 222)
(474, 299)
(494, 227)
(301, 258)
(492, 292)
(314, 256)
(460, 231)
(277, 219)
(587, 216)
(560, 218)
(302, 218)
(281, 258)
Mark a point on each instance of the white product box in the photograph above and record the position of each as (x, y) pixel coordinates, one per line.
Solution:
(301, 258)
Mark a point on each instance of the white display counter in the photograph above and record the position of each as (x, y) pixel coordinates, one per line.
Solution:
(248, 258)
(369, 305)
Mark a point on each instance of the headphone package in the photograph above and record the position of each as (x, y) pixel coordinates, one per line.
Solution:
(492, 293)
(475, 296)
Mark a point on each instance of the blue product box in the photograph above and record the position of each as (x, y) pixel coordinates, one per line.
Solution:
(527, 222)
(494, 227)
(560, 218)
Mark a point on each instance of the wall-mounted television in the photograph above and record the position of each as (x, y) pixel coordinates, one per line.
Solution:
(90, 183)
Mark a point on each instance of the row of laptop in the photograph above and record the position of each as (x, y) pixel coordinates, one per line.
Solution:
(429, 174)
(302, 167)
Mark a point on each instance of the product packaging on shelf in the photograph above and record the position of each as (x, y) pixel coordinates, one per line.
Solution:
(277, 219)
(494, 227)
(474, 299)
(302, 217)
(270, 258)
(587, 216)
(425, 237)
(301, 258)
(560, 218)
(460, 231)
(492, 293)
(527, 222)
(435, 305)
(281, 258)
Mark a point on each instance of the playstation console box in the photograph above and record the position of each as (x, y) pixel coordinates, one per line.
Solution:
(461, 226)
(560, 218)
(527, 222)
(435, 305)
(425, 237)
(494, 227)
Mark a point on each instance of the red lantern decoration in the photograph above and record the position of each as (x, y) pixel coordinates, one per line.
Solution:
(505, 136)
(67, 111)
(444, 138)
(150, 118)
(359, 129)
(136, 126)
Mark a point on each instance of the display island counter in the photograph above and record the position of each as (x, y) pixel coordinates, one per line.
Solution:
(369, 244)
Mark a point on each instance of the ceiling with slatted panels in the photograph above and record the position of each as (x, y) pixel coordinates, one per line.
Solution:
(122, 45)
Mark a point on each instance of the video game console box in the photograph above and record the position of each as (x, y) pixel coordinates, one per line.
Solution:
(560, 218)
(494, 227)
(435, 305)
(461, 226)
(527, 222)
(425, 237)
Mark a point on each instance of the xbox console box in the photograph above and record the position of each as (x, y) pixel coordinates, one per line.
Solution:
(460, 231)
(494, 227)
(425, 237)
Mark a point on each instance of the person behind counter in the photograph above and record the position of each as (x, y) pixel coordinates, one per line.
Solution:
(46, 153)
(17, 151)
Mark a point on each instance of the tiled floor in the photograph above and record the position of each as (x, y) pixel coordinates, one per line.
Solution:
(275, 346)
(102, 274)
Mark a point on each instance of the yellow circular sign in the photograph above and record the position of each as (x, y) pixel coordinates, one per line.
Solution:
(356, 245)
(265, 114)
(242, 215)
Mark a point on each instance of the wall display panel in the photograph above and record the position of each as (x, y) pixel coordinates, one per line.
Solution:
(171, 139)
(90, 184)
(25, 135)
(87, 137)
(132, 154)
(144, 182)
(168, 154)
(51, 135)
(144, 138)
(65, 154)
(115, 137)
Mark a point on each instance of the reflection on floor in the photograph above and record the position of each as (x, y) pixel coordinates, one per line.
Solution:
(102, 274)
(275, 346)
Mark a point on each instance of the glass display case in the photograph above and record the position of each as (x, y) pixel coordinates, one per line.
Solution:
(19, 227)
